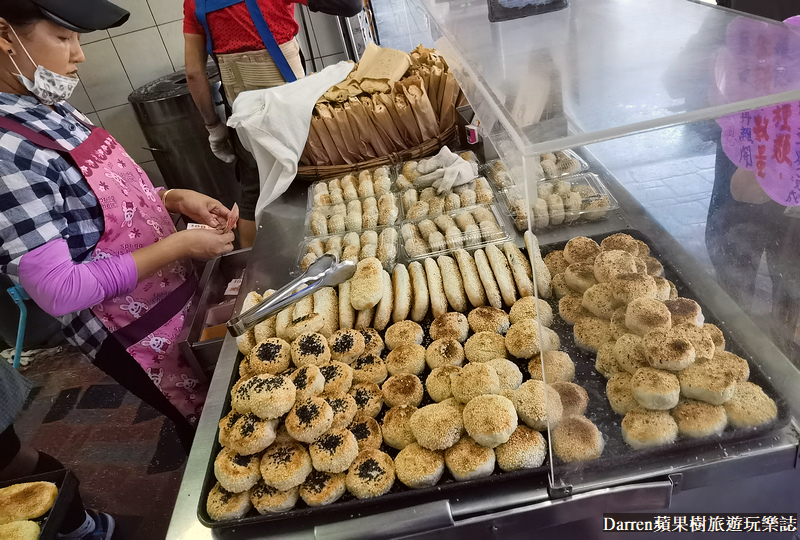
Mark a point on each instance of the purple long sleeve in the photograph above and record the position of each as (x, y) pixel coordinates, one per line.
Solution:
(60, 286)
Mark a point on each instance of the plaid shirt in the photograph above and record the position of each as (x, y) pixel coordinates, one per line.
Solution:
(44, 197)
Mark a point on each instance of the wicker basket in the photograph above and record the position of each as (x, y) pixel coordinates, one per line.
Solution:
(431, 146)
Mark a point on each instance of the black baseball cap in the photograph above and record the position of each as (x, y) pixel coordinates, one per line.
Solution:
(83, 15)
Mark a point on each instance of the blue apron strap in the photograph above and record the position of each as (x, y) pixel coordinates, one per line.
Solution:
(269, 41)
(203, 8)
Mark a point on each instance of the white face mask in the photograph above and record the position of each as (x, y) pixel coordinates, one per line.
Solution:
(48, 87)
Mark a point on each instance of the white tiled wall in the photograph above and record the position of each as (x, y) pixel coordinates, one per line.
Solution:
(149, 46)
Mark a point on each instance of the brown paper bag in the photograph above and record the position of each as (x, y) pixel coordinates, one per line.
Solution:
(433, 90)
(314, 148)
(447, 115)
(424, 73)
(388, 102)
(369, 108)
(361, 135)
(348, 138)
(333, 157)
(382, 115)
(366, 129)
(414, 90)
(325, 112)
(407, 117)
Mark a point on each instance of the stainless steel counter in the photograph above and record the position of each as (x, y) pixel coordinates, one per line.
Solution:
(510, 506)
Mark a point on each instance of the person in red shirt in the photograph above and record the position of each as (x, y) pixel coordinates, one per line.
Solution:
(253, 42)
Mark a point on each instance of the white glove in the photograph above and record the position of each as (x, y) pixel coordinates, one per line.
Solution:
(220, 142)
(441, 160)
(460, 173)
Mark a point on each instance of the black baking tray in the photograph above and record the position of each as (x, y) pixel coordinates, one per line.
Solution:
(67, 486)
(615, 455)
(398, 497)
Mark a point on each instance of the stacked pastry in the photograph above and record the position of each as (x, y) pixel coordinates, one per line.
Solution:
(355, 215)
(355, 247)
(454, 230)
(367, 183)
(557, 202)
(302, 420)
(668, 371)
(428, 202)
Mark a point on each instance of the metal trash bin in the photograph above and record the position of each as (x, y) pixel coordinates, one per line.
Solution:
(178, 138)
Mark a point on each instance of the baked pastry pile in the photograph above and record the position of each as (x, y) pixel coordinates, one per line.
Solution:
(347, 392)
(667, 369)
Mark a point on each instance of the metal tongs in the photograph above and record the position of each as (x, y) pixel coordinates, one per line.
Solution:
(326, 271)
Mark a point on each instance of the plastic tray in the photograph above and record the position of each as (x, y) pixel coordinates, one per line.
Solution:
(302, 250)
(586, 181)
(67, 486)
(313, 187)
(398, 497)
(466, 240)
(617, 454)
(499, 177)
(329, 211)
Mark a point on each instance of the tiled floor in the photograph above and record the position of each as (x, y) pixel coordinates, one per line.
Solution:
(124, 453)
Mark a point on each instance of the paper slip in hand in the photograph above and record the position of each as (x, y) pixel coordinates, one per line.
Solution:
(190, 226)
(233, 218)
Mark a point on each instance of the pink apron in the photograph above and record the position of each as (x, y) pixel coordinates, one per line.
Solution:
(148, 321)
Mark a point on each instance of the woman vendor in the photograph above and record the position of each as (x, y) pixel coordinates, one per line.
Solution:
(82, 227)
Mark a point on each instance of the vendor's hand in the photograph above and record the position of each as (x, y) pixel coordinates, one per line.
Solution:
(198, 207)
(220, 141)
(204, 244)
(461, 173)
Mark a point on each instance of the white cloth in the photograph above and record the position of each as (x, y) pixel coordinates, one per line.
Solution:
(273, 124)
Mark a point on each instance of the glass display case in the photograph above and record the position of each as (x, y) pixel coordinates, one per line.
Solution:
(685, 112)
(684, 117)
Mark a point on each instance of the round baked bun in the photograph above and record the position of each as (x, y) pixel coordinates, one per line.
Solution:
(507, 371)
(581, 249)
(450, 325)
(643, 428)
(558, 366)
(485, 346)
(474, 379)
(750, 406)
(698, 419)
(490, 419)
(655, 389)
(418, 467)
(646, 314)
(532, 406)
(620, 394)
(444, 352)
(574, 398)
(577, 439)
(334, 451)
(525, 449)
(371, 475)
(403, 332)
(438, 426)
(488, 319)
(665, 349)
(525, 308)
(467, 460)
(438, 383)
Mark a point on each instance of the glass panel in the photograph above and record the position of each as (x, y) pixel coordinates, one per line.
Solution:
(605, 67)
(725, 244)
